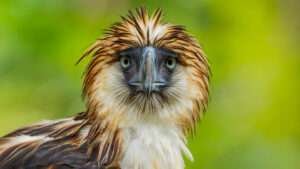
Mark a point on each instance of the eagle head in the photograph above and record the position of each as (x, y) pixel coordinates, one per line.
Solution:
(144, 69)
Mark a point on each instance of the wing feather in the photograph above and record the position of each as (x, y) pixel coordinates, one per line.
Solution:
(55, 145)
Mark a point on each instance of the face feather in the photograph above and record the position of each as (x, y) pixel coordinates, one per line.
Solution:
(184, 99)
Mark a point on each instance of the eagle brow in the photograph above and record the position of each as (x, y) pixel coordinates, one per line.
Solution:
(128, 51)
(168, 53)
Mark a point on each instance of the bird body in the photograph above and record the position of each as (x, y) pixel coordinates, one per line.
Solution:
(63, 144)
(145, 88)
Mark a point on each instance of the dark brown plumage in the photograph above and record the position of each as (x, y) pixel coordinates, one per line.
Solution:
(120, 123)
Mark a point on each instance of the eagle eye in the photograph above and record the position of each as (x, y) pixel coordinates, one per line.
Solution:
(125, 62)
(170, 63)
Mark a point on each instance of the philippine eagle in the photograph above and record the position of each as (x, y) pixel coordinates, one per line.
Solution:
(145, 88)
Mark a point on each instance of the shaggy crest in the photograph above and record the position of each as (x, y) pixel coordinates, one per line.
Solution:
(139, 29)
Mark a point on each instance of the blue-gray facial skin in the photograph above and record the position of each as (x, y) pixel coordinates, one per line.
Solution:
(147, 69)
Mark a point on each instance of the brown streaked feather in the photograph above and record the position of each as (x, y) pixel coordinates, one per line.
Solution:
(63, 146)
(140, 29)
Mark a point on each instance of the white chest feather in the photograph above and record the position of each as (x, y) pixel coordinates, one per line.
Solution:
(149, 146)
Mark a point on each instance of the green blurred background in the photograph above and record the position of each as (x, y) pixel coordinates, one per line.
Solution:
(253, 47)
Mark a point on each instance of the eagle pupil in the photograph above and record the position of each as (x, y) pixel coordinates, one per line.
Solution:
(125, 62)
(171, 63)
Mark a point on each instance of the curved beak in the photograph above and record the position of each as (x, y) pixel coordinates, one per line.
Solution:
(148, 69)
(148, 78)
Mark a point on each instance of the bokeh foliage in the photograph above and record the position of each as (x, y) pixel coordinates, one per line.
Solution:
(253, 47)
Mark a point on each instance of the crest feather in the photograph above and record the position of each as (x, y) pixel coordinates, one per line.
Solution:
(139, 29)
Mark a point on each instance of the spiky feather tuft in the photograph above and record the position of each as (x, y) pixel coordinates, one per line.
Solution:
(139, 29)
